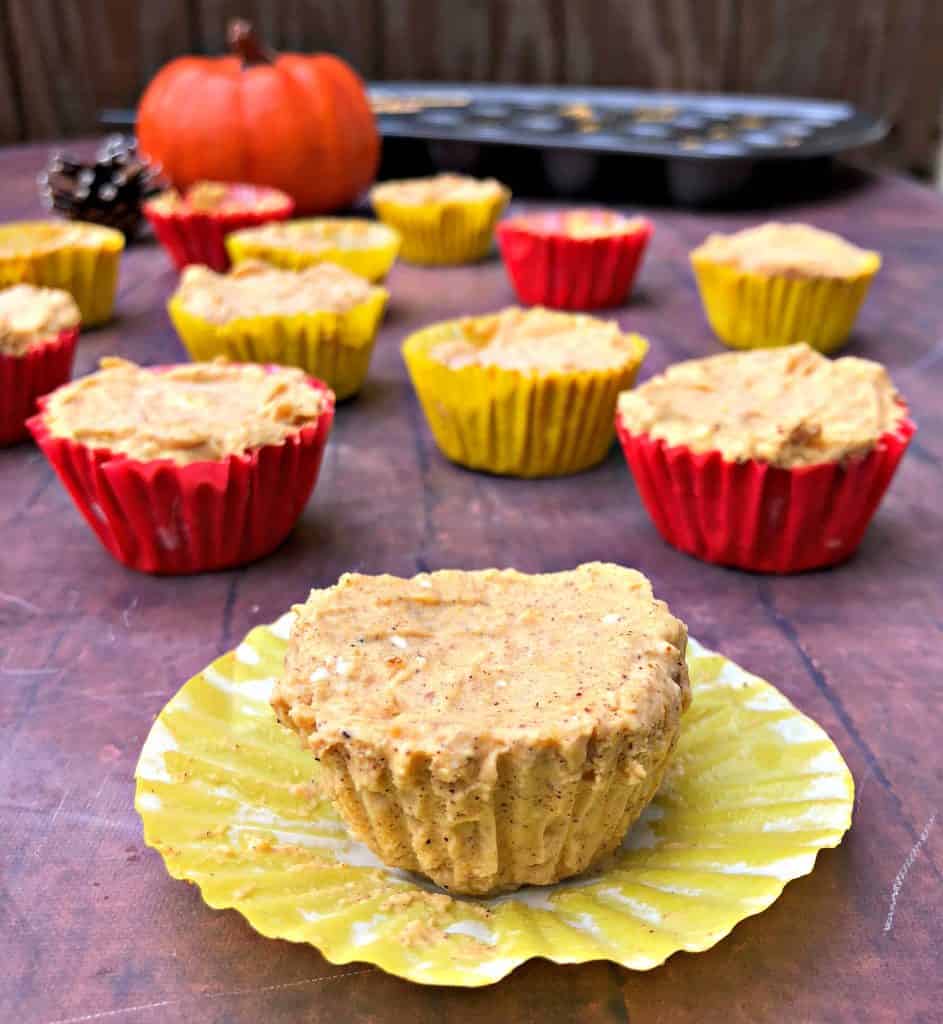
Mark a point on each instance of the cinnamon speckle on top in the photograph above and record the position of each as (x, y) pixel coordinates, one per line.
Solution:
(472, 676)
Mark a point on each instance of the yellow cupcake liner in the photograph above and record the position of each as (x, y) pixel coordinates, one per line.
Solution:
(446, 232)
(89, 272)
(231, 802)
(511, 423)
(750, 310)
(372, 261)
(334, 347)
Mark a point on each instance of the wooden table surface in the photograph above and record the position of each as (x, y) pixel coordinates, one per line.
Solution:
(91, 926)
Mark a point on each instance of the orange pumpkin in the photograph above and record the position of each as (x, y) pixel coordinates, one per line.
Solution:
(299, 123)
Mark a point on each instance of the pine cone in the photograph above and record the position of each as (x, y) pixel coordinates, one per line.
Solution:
(109, 191)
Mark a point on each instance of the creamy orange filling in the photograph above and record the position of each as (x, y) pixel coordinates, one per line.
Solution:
(219, 197)
(786, 406)
(792, 249)
(254, 288)
(590, 223)
(441, 188)
(204, 411)
(455, 662)
(33, 238)
(317, 234)
(30, 316)
(539, 341)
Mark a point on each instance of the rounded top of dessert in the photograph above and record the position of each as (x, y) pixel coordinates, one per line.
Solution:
(31, 316)
(454, 663)
(318, 234)
(439, 188)
(786, 406)
(585, 223)
(221, 197)
(36, 237)
(792, 249)
(538, 341)
(190, 413)
(254, 288)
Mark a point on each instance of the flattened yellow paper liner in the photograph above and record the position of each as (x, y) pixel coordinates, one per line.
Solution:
(230, 802)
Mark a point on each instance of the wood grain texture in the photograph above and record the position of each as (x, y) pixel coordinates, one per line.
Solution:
(11, 119)
(91, 927)
(64, 62)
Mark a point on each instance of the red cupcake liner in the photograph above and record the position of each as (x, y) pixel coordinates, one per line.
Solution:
(25, 379)
(200, 237)
(168, 519)
(759, 517)
(550, 268)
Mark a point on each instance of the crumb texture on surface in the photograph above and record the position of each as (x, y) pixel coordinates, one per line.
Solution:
(31, 316)
(786, 406)
(439, 188)
(219, 197)
(538, 340)
(793, 249)
(253, 289)
(189, 413)
(317, 234)
(589, 223)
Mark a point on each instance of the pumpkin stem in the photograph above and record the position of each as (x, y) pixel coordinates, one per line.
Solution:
(244, 43)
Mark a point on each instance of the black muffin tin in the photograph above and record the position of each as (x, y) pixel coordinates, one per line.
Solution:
(674, 125)
(711, 142)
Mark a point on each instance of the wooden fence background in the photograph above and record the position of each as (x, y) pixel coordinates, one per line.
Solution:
(63, 60)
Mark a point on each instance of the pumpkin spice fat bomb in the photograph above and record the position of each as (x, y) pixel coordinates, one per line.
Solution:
(78, 257)
(31, 316)
(488, 729)
(780, 284)
(39, 328)
(523, 392)
(192, 468)
(573, 259)
(444, 219)
(193, 225)
(323, 319)
(773, 460)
